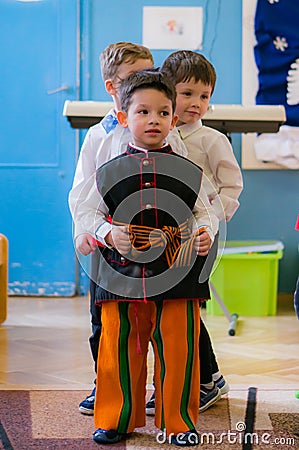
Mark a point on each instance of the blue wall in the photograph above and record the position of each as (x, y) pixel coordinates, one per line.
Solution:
(269, 203)
(37, 147)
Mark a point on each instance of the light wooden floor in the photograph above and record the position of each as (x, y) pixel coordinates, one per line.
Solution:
(44, 345)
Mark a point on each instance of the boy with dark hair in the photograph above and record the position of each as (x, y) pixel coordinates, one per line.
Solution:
(155, 245)
(194, 78)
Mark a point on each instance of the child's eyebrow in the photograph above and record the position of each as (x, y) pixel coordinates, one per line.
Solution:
(147, 106)
(142, 106)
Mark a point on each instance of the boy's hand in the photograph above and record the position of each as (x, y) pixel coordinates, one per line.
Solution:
(119, 238)
(86, 244)
(202, 244)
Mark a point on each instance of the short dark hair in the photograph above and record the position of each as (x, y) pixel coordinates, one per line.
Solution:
(185, 65)
(152, 78)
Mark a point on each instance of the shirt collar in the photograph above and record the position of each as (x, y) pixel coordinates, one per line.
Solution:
(187, 129)
(135, 149)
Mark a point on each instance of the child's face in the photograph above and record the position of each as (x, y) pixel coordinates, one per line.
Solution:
(192, 101)
(149, 118)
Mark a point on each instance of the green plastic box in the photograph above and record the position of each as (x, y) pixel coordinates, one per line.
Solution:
(245, 276)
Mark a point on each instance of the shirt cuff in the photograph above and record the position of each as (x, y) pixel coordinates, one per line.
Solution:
(101, 233)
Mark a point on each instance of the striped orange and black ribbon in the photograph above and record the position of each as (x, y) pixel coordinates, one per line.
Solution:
(178, 241)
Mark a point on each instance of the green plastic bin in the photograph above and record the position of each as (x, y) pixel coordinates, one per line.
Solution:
(245, 277)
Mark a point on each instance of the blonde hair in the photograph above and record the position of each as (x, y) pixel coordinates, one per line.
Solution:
(121, 52)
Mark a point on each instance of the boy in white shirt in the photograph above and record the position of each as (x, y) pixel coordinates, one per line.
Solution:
(103, 142)
(195, 77)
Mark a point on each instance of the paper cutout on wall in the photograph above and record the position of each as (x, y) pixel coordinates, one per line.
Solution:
(276, 55)
(168, 28)
(277, 58)
(270, 76)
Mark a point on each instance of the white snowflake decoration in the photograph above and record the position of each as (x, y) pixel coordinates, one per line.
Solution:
(273, 1)
(280, 43)
(293, 84)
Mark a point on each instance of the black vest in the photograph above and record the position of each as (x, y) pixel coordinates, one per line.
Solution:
(154, 189)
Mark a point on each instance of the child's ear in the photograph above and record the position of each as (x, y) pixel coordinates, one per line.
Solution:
(174, 121)
(109, 86)
(122, 119)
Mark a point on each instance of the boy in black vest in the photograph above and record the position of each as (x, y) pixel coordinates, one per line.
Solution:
(157, 227)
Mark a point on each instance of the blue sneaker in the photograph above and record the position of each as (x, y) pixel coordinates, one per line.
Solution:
(222, 384)
(208, 397)
(101, 436)
(87, 405)
(150, 406)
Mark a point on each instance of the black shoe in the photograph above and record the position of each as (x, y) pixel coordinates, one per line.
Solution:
(186, 439)
(108, 436)
(87, 405)
(150, 406)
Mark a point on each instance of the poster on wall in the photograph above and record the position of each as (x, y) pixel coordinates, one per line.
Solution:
(270, 76)
(169, 28)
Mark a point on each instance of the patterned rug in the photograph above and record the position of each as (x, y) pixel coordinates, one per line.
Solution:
(261, 418)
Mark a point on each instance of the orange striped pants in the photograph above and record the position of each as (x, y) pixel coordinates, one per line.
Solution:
(127, 328)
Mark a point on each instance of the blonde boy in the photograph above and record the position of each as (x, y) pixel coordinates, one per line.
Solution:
(104, 141)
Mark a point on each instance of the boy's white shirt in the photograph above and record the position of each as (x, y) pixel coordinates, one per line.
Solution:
(86, 205)
(211, 150)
